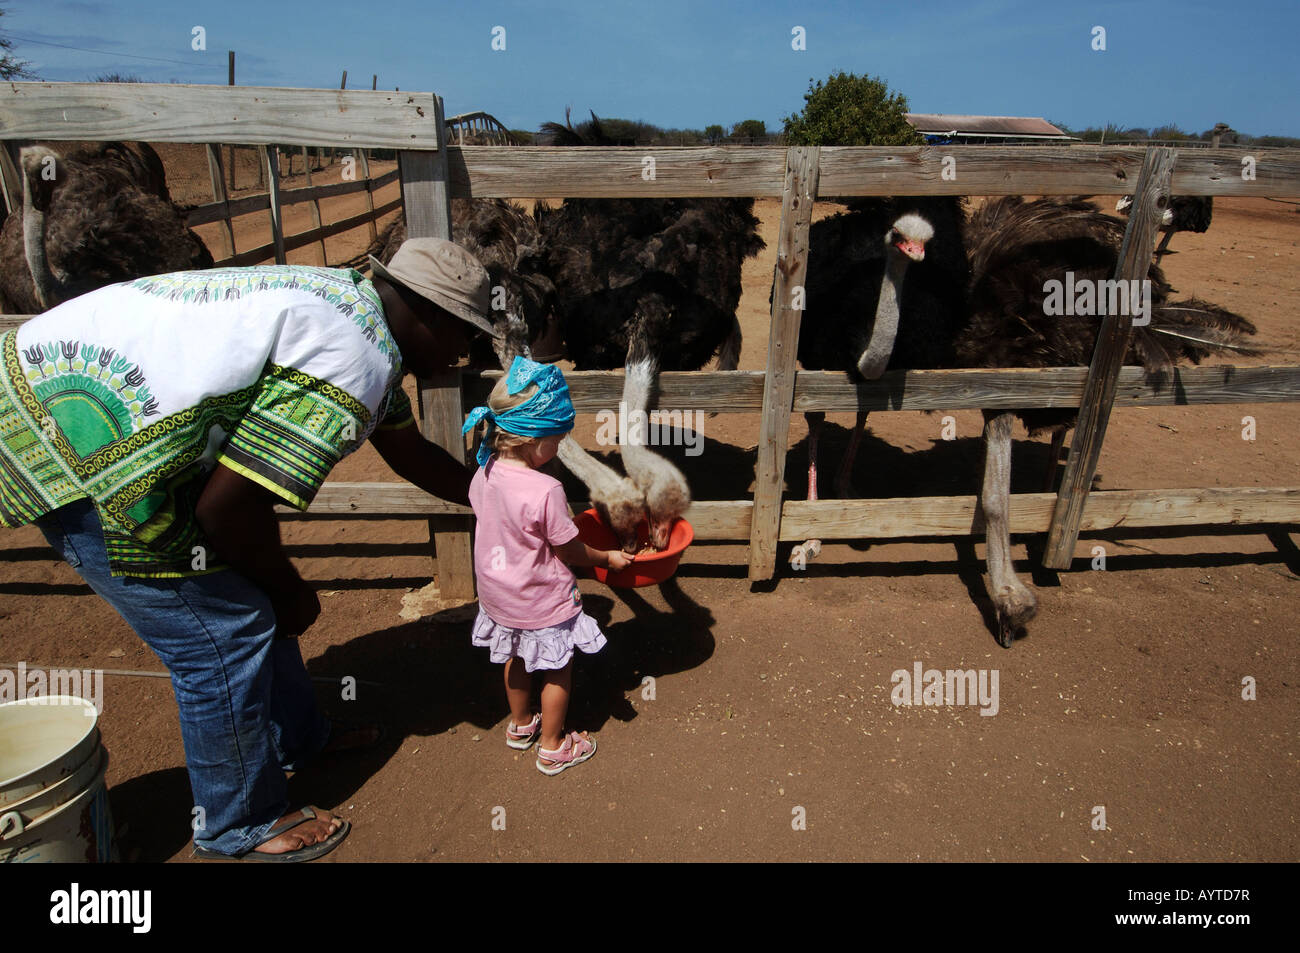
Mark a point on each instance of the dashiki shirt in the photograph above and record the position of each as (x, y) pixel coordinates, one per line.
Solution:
(129, 395)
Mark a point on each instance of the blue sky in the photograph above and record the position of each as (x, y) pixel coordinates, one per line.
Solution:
(690, 64)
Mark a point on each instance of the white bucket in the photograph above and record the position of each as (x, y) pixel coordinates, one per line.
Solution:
(55, 804)
(42, 740)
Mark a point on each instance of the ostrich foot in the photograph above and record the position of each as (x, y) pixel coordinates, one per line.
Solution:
(805, 553)
(1015, 606)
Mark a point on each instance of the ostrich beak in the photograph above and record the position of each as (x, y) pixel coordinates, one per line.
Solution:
(912, 248)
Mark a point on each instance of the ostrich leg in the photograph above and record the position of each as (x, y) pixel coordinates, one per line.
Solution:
(810, 548)
(1164, 244)
(1014, 602)
(843, 488)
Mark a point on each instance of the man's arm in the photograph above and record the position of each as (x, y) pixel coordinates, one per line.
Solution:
(423, 463)
(238, 518)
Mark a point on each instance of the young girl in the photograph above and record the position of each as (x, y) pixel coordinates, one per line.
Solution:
(530, 608)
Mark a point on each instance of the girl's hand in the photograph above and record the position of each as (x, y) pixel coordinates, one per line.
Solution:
(616, 559)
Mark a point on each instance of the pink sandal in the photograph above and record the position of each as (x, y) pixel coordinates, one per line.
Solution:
(522, 738)
(575, 749)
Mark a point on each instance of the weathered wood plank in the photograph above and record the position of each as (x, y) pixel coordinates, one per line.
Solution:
(261, 253)
(1113, 338)
(215, 211)
(559, 172)
(315, 204)
(220, 203)
(915, 517)
(1049, 170)
(895, 518)
(711, 519)
(741, 392)
(256, 115)
(428, 213)
(271, 159)
(11, 184)
(370, 185)
(782, 347)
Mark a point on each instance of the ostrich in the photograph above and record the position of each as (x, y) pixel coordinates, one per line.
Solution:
(1185, 213)
(89, 219)
(1016, 250)
(901, 260)
(649, 285)
(508, 243)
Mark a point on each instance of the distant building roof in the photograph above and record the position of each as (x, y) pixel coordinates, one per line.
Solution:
(985, 127)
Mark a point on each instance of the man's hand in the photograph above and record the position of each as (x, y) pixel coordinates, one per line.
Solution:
(238, 518)
(295, 611)
(423, 463)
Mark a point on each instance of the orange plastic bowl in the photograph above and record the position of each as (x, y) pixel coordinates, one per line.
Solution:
(647, 570)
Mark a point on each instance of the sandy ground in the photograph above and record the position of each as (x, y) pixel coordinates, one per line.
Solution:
(726, 716)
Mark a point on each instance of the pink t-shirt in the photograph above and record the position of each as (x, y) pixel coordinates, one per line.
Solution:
(521, 515)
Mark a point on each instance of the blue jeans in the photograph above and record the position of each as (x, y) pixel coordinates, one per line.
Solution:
(246, 702)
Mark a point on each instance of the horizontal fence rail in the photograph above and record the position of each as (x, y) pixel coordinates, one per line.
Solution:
(622, 172)
(216, 211)
(237, 115)
(915, 517)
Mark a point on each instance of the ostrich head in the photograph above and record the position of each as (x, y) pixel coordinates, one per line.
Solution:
(622, 514)
(904, 244)
(667, 494)
(909, 235)
(1125, 207)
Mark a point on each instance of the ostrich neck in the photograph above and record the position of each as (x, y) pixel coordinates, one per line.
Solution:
(34, 250)
(600, 480)
(884, 329)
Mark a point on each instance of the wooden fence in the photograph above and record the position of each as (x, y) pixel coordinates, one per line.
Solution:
(432, 173)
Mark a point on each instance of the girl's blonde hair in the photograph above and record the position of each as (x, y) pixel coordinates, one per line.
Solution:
(499, 401)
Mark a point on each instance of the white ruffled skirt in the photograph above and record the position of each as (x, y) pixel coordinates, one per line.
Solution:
(548, 649)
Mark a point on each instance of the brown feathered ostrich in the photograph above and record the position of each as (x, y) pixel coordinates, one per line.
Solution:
(648, 285)
(1018, 254)
(91, 218)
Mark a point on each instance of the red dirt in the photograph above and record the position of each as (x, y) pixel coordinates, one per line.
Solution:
(1127, 693)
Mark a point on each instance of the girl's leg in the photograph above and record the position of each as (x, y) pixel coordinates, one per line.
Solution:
(555, 705)
(519, 691)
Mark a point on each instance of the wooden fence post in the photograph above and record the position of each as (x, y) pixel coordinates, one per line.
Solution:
(271, 157)
(315, 206)
(427, 201)
(1149, 201)
(364, 162)
(801, 173)
(219, 195)
(10, 178)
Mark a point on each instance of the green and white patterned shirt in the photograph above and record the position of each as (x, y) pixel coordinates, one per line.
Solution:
(130, 394)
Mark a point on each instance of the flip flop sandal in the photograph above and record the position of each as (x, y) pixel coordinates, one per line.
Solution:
(522, 738)
(307, 852)
(574, 750)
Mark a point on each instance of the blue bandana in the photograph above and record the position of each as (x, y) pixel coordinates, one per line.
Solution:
(545, 414)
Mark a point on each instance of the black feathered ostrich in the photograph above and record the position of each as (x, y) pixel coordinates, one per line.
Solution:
(1015, 251)
(1184, 213)
(90, 218)
(648, 285)
(885, 289)
(508, 244)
